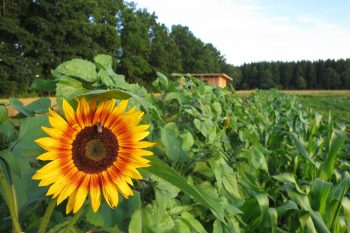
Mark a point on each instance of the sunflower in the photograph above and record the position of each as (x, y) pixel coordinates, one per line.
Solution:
(95, 149)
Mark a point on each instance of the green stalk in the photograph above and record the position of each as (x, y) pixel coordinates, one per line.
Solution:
(46, 218)
(10, 203)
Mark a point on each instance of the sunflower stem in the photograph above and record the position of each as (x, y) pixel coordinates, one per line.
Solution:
(46, 218)
(10, 203)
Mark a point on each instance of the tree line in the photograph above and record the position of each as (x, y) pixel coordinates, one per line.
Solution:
(36, 36)
(321, 74)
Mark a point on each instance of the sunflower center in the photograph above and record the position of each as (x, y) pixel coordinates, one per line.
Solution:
(94, 149)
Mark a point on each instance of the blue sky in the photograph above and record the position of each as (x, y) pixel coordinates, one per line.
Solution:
(263, 30)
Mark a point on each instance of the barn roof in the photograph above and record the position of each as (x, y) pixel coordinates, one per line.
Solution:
(212, 75)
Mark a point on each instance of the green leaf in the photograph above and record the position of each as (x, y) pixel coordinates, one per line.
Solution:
(172, 142)
(192, 222)
(163, 171)
(319, 194)
(108, 94)
(3, 113)
(135, 224)
(187, 140)
(40, 105)
(106, 80)
(301, 148)
(319, 224)
(29, 131)
(161, 83)
(11, 160)
(103, 61)
(301, 199)
(43, 85)
(18, 105)
(156, 220)
(69, 88)
(181, 99)
(217, 227)
(335, 144)
(255, 209)
(7, 130)
(346, 209)
(284, 208)
(273, 219)
(108, 217)
(79, 68)
(181, 226)
(288, 178)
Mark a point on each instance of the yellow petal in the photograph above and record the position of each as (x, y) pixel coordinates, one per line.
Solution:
(80, 115)
(70, 115)
(95, 193)
(71, 186)
(57, 121)
(98, 112)
(52, 155)
(81, 193)
(118, 178)
(61, 182)
(51, 166)
(131, 110)
(71, 201)
(108, 109)
(109, 191)
(53, 144)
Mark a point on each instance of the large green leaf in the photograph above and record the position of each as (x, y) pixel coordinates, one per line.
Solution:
(18, 105)
(107, 94)
(108, 217)
(103, 61)
(135, 224)
(7, 130)
(40, 105)
(256, 209)
(29, 131)
(319, 194)
(11, 160)
(335, 144)
(106, 80)
(192, 222)
(79, 68)
(171, 140)
(69, 88)
(163, 171)
(301, 149)
(319, 224)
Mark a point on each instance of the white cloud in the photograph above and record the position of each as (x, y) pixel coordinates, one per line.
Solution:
(244, 33)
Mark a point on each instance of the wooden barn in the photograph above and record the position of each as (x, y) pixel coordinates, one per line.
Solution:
(219, 80)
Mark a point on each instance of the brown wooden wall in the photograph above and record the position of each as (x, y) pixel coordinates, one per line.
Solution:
(216, 81)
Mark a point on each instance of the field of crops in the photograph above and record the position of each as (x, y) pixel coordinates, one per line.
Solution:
(222, 163)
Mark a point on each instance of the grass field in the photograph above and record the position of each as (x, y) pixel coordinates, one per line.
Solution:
(338, 105)
(323, 101)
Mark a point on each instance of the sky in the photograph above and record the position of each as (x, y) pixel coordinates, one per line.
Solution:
(247, 31)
